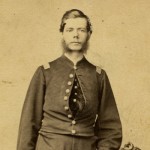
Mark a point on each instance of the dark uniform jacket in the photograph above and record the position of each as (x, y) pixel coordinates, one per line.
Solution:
(46, 105)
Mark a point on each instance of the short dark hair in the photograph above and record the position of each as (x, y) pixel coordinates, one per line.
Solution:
(75, 13)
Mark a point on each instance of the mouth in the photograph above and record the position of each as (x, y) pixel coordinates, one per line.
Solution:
(76, 42)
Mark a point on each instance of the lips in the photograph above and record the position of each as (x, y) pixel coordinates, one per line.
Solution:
(76, 42)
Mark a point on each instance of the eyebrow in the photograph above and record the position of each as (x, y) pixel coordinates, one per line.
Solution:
(77, 28)
(69, 28)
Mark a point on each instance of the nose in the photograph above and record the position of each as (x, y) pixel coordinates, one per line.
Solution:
(75, 34)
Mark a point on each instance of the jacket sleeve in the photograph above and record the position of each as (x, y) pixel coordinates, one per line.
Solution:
(32, 112)
(108, 125)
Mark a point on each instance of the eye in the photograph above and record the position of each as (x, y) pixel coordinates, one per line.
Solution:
(82, 30)
(69, 30)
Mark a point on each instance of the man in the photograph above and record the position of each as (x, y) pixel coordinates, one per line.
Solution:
(69, 104)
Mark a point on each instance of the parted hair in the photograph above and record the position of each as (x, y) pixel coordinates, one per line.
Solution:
(74, 13)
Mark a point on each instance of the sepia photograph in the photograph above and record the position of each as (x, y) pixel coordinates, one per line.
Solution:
(75, 75)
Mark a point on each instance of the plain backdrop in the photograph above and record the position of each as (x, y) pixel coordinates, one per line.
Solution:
(29, 37)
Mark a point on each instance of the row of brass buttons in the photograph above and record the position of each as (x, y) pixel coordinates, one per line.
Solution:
(66, 107)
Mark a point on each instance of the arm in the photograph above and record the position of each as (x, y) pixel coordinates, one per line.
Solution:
(32, 112)
(108, 126)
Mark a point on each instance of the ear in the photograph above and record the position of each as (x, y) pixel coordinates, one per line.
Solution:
(89, 35)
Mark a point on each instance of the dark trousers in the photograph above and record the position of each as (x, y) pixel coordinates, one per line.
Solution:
(65, 142)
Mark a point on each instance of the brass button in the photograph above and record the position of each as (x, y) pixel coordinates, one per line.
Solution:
(67, 90)
(75, 67)
(66, 108)
(73, 122)
(69, 83)
(69, 116)
(65, 98)
(73, 131)
(74, 100)
(71, 75)
(75, 87)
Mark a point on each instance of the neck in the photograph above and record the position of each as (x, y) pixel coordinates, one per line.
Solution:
(74, 56)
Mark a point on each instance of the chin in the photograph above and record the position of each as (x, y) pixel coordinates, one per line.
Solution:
(75, 49)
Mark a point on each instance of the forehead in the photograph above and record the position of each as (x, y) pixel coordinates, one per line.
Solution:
(76, 23)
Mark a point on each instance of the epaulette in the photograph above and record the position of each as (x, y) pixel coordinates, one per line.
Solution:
(46, 66)
(98, 69)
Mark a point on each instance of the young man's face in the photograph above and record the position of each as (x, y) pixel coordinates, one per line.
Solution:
(75, 34)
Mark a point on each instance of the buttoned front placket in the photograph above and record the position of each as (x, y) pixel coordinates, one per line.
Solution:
(72, 106)
(69, 86)
(72, 85)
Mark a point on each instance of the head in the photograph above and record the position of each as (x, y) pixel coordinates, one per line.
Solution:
(76, 31)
